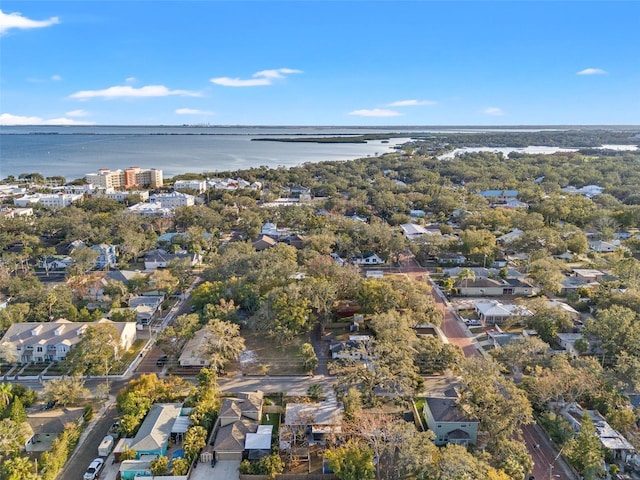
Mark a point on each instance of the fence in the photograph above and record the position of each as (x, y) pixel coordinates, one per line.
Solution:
(292, 476)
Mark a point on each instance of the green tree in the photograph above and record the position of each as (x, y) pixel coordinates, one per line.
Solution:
(97, 352)
(585, 451)
(352, 461)
(309, 358)
(18, 468)
(159, 466)
(194, 440)
(12, 438)
(6, 394)
(271, 466)
(65, 390)
(224, 343)
(179, 466)
(17, 412)
(314, 391)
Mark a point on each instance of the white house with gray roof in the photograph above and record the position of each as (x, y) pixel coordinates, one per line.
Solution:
(47, 342)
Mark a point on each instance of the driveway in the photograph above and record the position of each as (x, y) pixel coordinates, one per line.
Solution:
(224, 470)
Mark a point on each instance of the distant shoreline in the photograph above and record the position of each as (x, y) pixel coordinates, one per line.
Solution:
(332, 139)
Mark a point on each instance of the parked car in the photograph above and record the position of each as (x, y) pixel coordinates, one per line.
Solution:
(94, 469)
(472, 323)
(162, 360)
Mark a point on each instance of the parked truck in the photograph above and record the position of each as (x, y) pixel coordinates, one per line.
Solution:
(106, 446)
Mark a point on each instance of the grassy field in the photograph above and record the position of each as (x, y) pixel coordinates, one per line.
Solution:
(269, 357)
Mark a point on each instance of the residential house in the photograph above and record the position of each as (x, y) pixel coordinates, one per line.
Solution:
(51, 341)
(55, 262)
(510, 237)
(107, 257)
(238, 417)
(499, 196)
(367, 259)
(152, 209)
(336, 258)
(358, 347)
(193, 354)
(145, 306)
(96, 290)
(566, 308)
(199, 186)
(588, 274)
(173, 200)
(272, 230)
(495, 312)
(297, 241)
(451, 258)
(413, 231)
(154, 433)
(588, 191)
(357, 218)
(263, 242)
(601, 246)
(160, 258)
(573, 284)
(481, 272)
(449, 423)
(123, 196)
(567, 342)
(52, 200)
(47, 425)
(16, 212)
(610, 439)
(315, 420)
(487, 287)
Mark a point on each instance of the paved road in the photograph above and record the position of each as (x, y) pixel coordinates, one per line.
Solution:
(544, 455)
(88, 450)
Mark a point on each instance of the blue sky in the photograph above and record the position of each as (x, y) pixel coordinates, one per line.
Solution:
(319, 63)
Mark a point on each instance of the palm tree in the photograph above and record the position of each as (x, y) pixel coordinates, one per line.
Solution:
(467, 274)
(6, 394)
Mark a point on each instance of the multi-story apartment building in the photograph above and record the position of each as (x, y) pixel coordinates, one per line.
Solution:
(128, 178)
(173, 200)
(47, 200)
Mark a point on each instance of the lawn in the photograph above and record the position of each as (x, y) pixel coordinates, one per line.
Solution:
(129, 356)
(34, 369)
(272, 419)
(60, 368)
(263, 355)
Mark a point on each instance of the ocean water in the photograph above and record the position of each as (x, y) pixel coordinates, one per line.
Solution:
(72, 152)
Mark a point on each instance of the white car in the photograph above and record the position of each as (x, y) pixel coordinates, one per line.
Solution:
(94, 469)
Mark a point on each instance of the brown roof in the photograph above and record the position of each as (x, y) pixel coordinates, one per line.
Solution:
(230, 438)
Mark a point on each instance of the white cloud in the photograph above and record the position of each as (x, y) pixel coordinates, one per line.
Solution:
(127, 91)
(192, 111)
(16, 20)
(375, 112)
(56, 78)
(130, 79)
(411, 103)
(78, 113)
(592, 71)
(258, 79)
(495, 111)
(9, 119)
